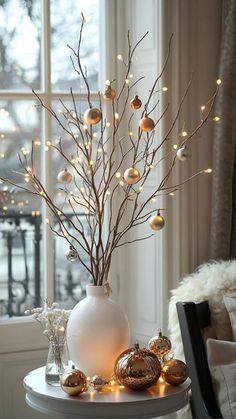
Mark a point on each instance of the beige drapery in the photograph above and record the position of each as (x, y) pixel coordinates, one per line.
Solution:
(223, 220)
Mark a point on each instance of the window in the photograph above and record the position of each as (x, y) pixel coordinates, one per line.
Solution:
(34, 55)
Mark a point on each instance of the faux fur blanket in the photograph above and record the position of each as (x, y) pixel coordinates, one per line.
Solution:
(210, 282)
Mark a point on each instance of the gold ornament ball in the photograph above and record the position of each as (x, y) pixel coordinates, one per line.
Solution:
(132, 175)
(146, 124)
(74, 382)
(182, 154)
(92, 116)
(136, 103)
(137, 368)
(156, 222)
(160, 345)
(64, 176)
(109, 93)
(174, 372)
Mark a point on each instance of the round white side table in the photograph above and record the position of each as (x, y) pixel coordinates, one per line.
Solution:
(118, 403)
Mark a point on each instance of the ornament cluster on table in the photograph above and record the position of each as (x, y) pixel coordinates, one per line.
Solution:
(136, 368)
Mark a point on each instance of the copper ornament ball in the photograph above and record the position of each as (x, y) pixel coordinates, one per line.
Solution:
(136, 103)
(109, 93)
(92, 116)
(160, 345)
(137, 368)
(146, 124)
(174, 372)
(64, 176)
(74, 382)
(132, 175)
(156, 222)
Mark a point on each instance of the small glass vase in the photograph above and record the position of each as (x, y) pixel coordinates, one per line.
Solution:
(57, 363)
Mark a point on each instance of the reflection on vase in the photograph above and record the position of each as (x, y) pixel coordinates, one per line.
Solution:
(57, 363)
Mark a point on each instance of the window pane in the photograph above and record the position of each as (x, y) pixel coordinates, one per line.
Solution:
(66, 31)
(20, 220)
(20, 28)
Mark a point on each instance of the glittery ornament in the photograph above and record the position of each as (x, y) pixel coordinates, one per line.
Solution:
(132, 175)
(146, 124)
(74, 382)
(174, 372)
(64, 176)
(92, 116)
(137, 368)
(156, 222)
(160, 345)
(136, 103)
(98, 382)
(72, 255)
(109, 93)
(182, 153)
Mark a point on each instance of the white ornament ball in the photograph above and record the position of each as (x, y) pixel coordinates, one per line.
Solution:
(92, 116)
(64, 176)
(156, 222)
(182, 154)
(132, 175)
(72, 255)
(146, 124)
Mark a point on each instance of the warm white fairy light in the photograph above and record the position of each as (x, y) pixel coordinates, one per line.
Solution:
(108, 124)
(108, 83)
(46, 148)
(175, 146)
(91, 162)
(5, 208)
(47, 220)
(140, 188)
(59, 212)
(218, 81)
(127, 81)
(48, 143)
(116, 115)
(171, 194)
(203, 107)
(209, 170)
(154, 200)
(216, 118)
(108, 192)
(2, 136)
(131, 75)
(99, 150)
(118, 175)
(121, 183)
(13, 201)
(95, 134)
(82, 190)
(85, 127)
(184, 134)
(2, 155)
(37, 142)
(131, 133)
(152, 166)
(119, 57)
(78, 160)
(164, 88)
(27, 178)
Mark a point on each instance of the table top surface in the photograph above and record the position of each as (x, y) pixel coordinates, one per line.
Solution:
(35, 383)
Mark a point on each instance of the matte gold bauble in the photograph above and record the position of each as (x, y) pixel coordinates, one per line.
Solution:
(136, 103)
(182, 153)
(74, 382)
(109, 93)
(64, 176)
(160, 345)
(146, 124)
(174, 372)
(132, 175)
(156, 222)
(92, 116)
(137, 368)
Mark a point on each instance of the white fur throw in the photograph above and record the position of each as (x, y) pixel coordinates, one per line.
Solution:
(210, 282)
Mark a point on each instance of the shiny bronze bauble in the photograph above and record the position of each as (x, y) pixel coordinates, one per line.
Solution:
(156, 222)
(64, 176)
(137, 368)
(74, 382)
(160, 345)
(92, 116)
(174, 372)
(146, 124)
(136, 103)
(132, 175)
(109, 93)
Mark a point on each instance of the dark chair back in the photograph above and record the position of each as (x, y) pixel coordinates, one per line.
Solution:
(192, 318)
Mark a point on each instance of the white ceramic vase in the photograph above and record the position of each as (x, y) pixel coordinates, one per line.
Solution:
(97, 332)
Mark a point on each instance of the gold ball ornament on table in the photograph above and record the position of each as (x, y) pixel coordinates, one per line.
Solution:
(109, 93)
(137, 368)
(136, 103)
(74, 382)
(146, 124)
(156, 222)
(160, 345)
(132, 175)
(174, 372)
(92, 116)
(64, 176)
(182, 153)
